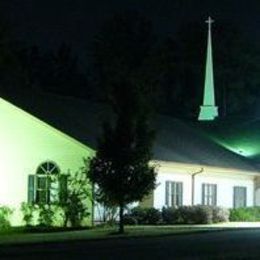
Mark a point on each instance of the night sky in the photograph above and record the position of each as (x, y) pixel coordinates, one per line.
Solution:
(47, 23)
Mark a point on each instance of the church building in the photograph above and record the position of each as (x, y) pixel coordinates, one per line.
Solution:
(54, 138)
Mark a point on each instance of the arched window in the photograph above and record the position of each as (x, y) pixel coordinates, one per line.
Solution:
(46, 181)
(48, 167)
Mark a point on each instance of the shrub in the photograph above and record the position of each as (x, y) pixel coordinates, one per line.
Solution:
(187, 215)
(130, 220)
(199, 214)
(142, 216)
(153, 216)
(28, 213)
(45, 215)
(51, 215)
(5, 214)
(245, 214)
(139, 214)
(74, 199)
(203, 214)
(170, 215)
(220, 214)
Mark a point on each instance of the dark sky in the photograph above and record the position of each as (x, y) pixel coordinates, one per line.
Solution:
(49, 22)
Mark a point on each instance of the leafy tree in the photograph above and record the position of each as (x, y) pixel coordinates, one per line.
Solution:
(9, 66)
(121, 167)
(74, 194)
(123, 49)
(53, 71)
(64, 76)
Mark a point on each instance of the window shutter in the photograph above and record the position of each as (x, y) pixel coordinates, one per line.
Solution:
(245, 197)
(173, 194)
(167, 185)
(63, 188)
(31, 189)
(203, 193)
(180, 194)
(215, 194)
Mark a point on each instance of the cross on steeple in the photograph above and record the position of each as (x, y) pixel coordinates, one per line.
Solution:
(209, 22)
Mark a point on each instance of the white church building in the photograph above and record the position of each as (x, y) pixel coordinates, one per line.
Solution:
(55, 135)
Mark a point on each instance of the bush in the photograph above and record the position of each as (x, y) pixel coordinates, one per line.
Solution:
(144, 216)
(153, 216)
(199, 214)
(187, 215)
(5, 214)
(28, 213)
(220, 214)
(130, 220)
(245, 214)
(139, 214)
(45, 215)
(75, 196)
(203, 214)
(42, 215)
(170, 215)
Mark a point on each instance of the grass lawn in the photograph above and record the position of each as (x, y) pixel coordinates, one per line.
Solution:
(17, 235)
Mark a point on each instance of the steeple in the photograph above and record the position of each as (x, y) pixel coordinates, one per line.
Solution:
(208, 111)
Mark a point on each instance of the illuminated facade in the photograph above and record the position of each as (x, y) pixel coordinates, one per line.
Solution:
(192, 168)
(32, 150)
(188, 184)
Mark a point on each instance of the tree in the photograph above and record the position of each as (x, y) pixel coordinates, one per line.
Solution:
(9, 66)
(55, 71)
(74, 195)
(124, 48)
(121, 167)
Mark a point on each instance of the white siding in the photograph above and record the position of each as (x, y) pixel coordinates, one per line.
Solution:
(225, 184)
(25, 143)
(159, 193)
(225, 187)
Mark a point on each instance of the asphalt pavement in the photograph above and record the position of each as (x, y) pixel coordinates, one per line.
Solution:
(227, 244)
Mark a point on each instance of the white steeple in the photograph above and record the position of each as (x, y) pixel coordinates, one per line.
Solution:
(208, 111)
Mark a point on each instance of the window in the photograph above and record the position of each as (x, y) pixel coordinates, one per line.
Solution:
(43, 186)
(209, 194)
(173, 193)
(239, 197)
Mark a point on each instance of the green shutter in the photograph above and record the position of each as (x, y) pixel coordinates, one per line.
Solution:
(245, 197)
(180, 194)
(167, 184)
(234, 197)
(215, 194)
(203, 194)
(173, 194)
(31, 189)
(63, 188)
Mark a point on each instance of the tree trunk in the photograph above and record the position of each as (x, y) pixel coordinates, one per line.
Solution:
(121, 219)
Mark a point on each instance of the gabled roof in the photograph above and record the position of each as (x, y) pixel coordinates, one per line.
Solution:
(176, 140)
(186, 142)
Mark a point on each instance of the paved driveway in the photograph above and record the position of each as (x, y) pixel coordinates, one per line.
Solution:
(236, 244)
